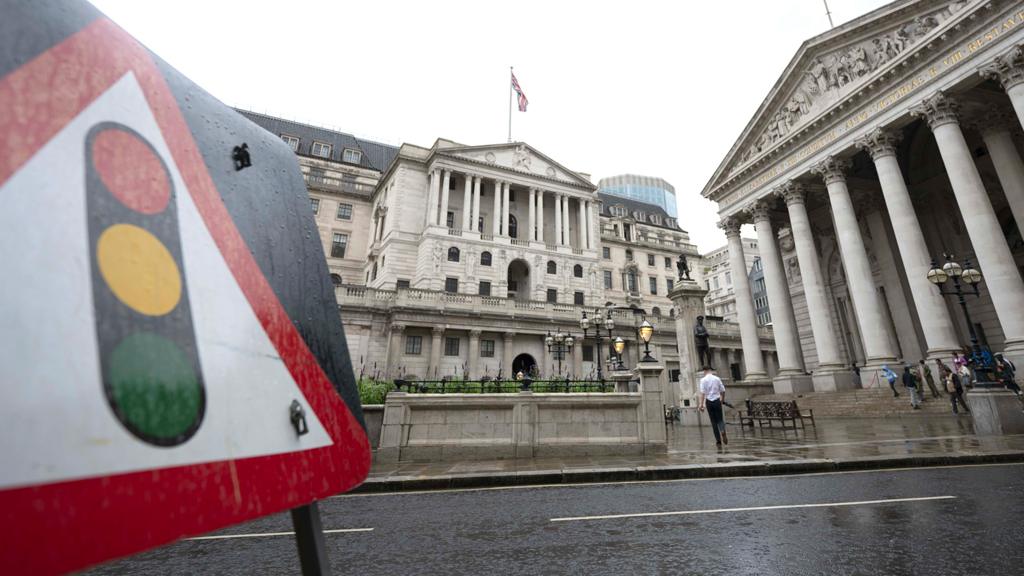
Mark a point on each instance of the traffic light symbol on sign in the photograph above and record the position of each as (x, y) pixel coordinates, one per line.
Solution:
(147, 344)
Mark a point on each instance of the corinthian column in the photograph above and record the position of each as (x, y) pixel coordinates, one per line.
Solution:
(830, 374)
(870, 317)
(995, 131)
(496, 214)
(744, 304)
(467, 203)
(993, 253)
(442, 218)
(433, 197)
(1008, 70)
(506, 190)
(936, 324)
(531, 233)
(475, 218)
(791, 377)
(558, 219)
(540, 216)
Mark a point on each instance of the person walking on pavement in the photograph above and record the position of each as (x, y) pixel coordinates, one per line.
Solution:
(712, 394)
(891, 376)
(925, 374)
(910, 383)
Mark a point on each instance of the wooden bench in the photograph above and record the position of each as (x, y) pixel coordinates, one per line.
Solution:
(775, 411)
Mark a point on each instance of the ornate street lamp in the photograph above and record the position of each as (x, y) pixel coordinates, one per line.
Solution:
(598, 321)
(970, 276)
(646, 333)
(559, 344)
(620, 347)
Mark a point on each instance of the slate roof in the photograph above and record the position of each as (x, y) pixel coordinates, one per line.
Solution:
(376, 156)
(631, 206)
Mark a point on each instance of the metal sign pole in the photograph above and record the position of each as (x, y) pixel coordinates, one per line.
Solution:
(309, 536)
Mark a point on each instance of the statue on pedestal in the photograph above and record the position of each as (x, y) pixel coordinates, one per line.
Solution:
(700, 337)
(683, 267)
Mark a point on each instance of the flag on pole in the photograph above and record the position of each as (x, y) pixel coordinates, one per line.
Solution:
(519, 91)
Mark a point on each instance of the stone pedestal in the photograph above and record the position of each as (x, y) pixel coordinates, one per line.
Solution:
(832, 380)
(792, 383)
(653, 380)
(995, 411)
(688, 298)
(622, 379)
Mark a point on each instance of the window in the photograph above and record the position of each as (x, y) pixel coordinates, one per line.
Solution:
(668, 263)
(414, 345)
(756, 266)
(607, 279)
(451, 285)
(513, 286)
(480, 224)
(292, 141)
(336, 279)
(552, 267)
(588, 353)
(627, 231)
(631, 281)
(451, 346)
(629, 255)
(453, 254)
(322, 150)
(656, 311)
(618, 210)
(606, 253)
(670, 284)
(351, 156)
(485, 258)
(654, 284)
(485, 288)
(650, 259)
(402, 284)
(513, 226)
(487, 348)
(315, 204)
(728, 278)
(373, 275)
(577, 298)
(511, 195)
(344, 212)
(552, 295)
(759, 285)
(449, 220)
(338, 245)
(577, 271)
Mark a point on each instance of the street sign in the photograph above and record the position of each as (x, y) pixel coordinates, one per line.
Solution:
(171, 355)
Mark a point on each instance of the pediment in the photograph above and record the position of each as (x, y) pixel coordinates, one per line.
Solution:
(519, 157)
(832, 66)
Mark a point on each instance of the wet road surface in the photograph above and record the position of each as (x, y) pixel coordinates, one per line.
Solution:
(931, 521)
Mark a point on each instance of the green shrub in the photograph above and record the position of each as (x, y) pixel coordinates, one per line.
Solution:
(374, 391)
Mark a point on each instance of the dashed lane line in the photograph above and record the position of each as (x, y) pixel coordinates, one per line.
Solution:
(268, 534)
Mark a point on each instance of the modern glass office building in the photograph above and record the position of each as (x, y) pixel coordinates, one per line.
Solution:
(643, 188)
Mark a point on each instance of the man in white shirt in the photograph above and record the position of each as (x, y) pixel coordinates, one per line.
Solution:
(712, 394)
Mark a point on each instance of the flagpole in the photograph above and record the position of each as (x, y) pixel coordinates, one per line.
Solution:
(510, 104)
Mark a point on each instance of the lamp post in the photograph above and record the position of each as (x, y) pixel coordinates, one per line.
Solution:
(598, 321)
(970, 276)
(559, 344)
(620, 346)
(646, 331)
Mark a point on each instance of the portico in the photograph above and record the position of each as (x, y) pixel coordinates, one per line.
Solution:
(888, 142)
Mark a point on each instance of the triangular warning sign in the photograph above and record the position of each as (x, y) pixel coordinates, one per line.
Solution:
(147, 365)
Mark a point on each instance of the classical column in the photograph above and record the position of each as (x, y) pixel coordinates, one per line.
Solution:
(395, 349)
(581, 225)
(565, 221)
(939, 333)
(433, 197)
(995, 131)
(996, 262)
(506, 354)
(532, 225)
(577, 360)
(442, 218)
(870, 316)
(1008, 70)
(433, 370)
(475, 218)
(791, 377)
(744, 304)
(467, 203)
(588, 218)
(496, 214)
(474, 354)
(558, 219)
(506, 189)
(894, 302)
(540, 216)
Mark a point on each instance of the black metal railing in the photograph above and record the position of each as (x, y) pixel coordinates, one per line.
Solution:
(496, 386)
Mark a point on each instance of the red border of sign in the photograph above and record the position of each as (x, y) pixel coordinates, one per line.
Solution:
(69, 525)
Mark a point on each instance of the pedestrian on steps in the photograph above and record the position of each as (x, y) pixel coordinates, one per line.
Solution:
(856, 377)
(926, 376)
(910, 383)
(1004, 374)
(891, 376)
(954, 389)
(712, 394)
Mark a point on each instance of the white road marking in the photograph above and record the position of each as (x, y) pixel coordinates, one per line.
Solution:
(751, 509)
(266, 534)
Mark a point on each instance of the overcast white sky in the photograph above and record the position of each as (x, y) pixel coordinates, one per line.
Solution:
(656, 88)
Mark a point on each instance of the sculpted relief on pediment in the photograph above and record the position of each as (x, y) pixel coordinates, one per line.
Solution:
(832, 75)
(519, 157)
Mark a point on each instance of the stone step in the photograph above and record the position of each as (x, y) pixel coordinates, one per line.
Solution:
(863, 403)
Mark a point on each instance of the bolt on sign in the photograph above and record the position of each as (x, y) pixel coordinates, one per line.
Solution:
(171, 356)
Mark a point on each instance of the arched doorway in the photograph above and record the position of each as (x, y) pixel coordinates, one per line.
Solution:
(518, 276)
(524, 363)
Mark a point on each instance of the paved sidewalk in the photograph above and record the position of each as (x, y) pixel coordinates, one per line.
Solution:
(831, 445)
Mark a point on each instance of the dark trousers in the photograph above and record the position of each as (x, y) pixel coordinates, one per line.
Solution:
(958, 397)
(717, 418)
